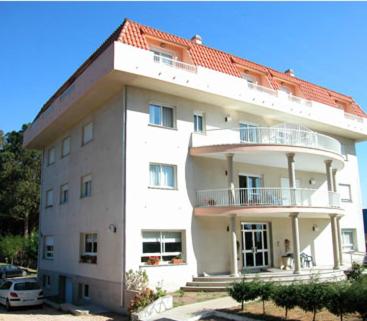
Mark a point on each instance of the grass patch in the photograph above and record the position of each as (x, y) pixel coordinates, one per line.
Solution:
(182, 298)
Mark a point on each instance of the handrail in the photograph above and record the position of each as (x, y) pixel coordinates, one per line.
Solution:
(267, 196)
(268, 136)
(174, 63)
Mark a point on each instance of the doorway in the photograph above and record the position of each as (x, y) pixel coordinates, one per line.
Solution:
(255, 245)
(249, 191)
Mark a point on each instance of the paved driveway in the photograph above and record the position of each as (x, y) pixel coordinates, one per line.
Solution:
(49, 314)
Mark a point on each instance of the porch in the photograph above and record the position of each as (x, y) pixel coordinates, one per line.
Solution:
(219, 283)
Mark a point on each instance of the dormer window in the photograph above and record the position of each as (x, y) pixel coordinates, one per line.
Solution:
(164, 57)
(286, 90)
(251, 79)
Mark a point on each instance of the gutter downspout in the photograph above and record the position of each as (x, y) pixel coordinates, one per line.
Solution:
(123, 195)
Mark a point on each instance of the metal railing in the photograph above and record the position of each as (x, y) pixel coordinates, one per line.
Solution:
(353, 117)
(174, 63)
(262, 89)
(267, 196)
(267, 136)
(300, 101)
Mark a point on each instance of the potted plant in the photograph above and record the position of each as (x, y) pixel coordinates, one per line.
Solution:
(177, 260)
(153, 260)
(88, 259)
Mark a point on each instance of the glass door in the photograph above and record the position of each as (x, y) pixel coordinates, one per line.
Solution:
(248, 133)
(249, 189)
(255, 245)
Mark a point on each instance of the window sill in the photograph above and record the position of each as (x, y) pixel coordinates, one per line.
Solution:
(163, 264)
(346, 201)
(86, 143)
(47, 259)
(49, 206)
(163, 188)
(163, 127)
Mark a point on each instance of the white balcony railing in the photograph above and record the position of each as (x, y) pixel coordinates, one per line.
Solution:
(353, 117)
(174, 63)
(262, 89)
(267, 136)
(267, 197)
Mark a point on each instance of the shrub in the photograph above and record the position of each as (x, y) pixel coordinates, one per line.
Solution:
(141, 300)
(356, 272)
(312, 297)
(358, 297)
(338, 298)
(264, 291)
(286, 296)
(243, 291)
(136, 280)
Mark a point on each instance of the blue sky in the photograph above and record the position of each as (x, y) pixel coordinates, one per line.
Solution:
(41, 44)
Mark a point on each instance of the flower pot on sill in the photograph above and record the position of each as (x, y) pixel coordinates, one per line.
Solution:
(177, 261)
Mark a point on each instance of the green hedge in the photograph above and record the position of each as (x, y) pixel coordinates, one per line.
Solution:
(339, 298)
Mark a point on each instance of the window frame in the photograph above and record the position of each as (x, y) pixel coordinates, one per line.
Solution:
(84, 286)
(46, 251)
(49, 161)
(160, 186)
(203, 122)
(95, 242)
(346, 247)
(47, 204)
(62, 200)
(162, 251)
(83, 190)
(63, 154)
(161, 106)
(85, 142)
(346, 200)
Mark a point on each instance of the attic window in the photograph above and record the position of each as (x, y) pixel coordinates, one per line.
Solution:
(250, 78)
(286, 89)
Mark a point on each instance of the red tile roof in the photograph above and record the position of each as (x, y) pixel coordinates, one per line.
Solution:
(135, 34)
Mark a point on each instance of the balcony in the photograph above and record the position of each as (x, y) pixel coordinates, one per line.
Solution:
(267, 200)
(173, 63)
(267, 146)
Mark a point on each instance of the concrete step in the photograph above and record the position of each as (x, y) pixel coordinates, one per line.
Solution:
(221, 283)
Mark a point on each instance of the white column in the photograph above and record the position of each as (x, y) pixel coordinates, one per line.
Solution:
(296, 246)
(334, 180)
(292, 177)
(233, 236)
(230, 178)
(334, 235)
(329, 175)
(339, 240)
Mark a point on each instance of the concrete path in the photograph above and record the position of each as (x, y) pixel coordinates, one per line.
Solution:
(192, 312)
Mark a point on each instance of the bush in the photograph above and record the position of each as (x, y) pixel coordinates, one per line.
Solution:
(141, 300)
(356, 272)
(358, 297)
(338, 298)
(312, 297)
(286, 296)
(136, 280)
(264, 291)
(243, 291)
(11, 247)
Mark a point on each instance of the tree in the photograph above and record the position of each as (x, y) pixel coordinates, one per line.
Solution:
(339, 298)
(312, 297)
(358, 297)
(264, 291)
(286, 296)
(243, 291)
(11, 246)
(19, 184)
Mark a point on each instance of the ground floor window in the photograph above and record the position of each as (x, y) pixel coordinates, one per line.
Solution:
(48, 247)
(46, 281)
(348, 239)
(162, 246)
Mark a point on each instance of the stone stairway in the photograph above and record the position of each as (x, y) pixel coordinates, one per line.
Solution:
(219, 283)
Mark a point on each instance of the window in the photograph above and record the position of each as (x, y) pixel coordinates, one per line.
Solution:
(48, 249)
(51, 156)
(89, 246)
(345, 192)
(46, 281)
(86, 291)
(163, 244)
(161, 116)
(286, 90)
(348, 239)
(49, 198)
(162, 176)
(65, 147)
(86, 186)
(87, 134)
(64, 193)
(199, 123)
(250, 79)
(6, 285)
(164, 57)
(248, 133)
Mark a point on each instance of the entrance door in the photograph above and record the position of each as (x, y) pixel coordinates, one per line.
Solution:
(255, 245)
(68, 290)
(249, 189)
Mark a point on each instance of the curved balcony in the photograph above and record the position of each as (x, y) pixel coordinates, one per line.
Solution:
(266, 200)
(267, 146)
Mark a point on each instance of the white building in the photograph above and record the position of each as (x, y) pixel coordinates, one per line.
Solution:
(158, 146)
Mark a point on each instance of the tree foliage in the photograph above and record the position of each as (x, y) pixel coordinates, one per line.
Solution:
(286, 296)
(243, 291)
(19, 184)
